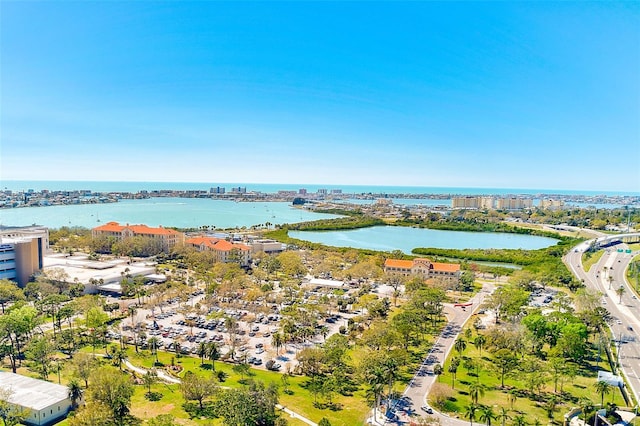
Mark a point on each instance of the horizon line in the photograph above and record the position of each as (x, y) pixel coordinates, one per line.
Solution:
(329, 185)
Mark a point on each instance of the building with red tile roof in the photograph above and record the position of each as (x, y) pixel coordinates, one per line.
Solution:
(168, 237)
(224, 250)
(423, 267)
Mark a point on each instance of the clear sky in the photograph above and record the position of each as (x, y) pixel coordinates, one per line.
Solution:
(498, 94)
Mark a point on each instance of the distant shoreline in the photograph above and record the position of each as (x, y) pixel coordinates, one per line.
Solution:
(273, 188)
(31, 197)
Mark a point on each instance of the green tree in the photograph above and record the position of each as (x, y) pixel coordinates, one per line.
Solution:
(83, 364)
(487, 414)
(149, 379)
(9, 292)
(153, 343)
(602, 388)
(202, 351)
(504, 415)
(94, 413)
(75, 392)
(15, 327)
(40, 351)
(505, 361)
(476, 390)
(95, 321)
(11, 415)
(460, 345)
(213, 354)
(479, 342)
(453, 369)
(470, 412)
(277, 340)
(519, 420)
(114, 390)
(251, 405)
(197, 388)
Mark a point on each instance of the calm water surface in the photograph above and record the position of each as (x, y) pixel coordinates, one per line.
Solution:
(174, 212)
(389, 238)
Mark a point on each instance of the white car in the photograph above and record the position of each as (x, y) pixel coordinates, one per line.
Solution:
(427, 409)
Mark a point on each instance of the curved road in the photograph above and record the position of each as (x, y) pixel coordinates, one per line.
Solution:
(607, 275)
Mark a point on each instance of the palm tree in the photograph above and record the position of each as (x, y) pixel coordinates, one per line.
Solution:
(213, 354)
(119, 357)
(460, 345)
(479, 342)
(324, 330)
(75, 392)
(153, 344)
(149, 379)
(453, 369)
(512, 396)
(620, 291)
(373, 393)
(586, 406)
(391, 373)
(476, 389)
(470, 412)
(519, 420)
(603, 388)
(190, 323)
(504, 415)
(132, 311)
(277, 339)
(202, 351)
(487, 414)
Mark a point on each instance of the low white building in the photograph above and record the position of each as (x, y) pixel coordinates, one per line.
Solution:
(47, 402)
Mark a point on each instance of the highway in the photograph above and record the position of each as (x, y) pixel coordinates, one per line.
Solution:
(625, 328)
(606, 276)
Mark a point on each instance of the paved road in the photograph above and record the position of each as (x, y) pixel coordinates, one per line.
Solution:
(417, 390)
(606, 276)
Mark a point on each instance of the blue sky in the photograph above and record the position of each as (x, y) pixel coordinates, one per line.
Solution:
(498, 94)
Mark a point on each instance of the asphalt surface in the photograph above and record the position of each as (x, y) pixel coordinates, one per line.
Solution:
(415, 394)
(624, 310)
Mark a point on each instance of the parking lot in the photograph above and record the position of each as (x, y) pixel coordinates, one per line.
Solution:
(251, 339)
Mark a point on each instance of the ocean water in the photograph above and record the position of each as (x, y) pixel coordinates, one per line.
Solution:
(169, 212)
(23, 185)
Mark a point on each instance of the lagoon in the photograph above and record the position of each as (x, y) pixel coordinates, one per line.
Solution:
(389, 238)
(169, 212)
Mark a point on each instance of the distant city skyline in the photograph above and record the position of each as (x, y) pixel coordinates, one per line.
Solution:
(431, 94)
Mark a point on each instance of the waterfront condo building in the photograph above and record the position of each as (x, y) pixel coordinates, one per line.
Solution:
(422, 267)
(223, 250)
(167, 237)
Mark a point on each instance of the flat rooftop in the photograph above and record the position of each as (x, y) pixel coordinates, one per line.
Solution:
(84, 270)
(32, 393)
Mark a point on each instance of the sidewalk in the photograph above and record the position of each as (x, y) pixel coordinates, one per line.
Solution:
(174, 380)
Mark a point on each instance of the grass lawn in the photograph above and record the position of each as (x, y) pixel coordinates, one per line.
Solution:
(529, 404)
(589, 259)
(353, 409)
